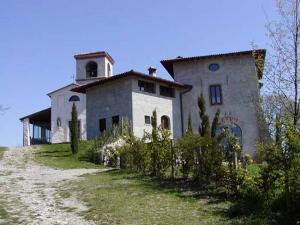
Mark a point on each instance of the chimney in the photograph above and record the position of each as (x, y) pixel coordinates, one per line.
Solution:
(152, 71)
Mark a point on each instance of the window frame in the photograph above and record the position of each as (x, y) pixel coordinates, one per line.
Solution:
(172, 93)
(74, 98)
(143, 88)
(103, 130)
(162, 122)
(145, 119)
(89, 72)
(211, 97)
(112, 120)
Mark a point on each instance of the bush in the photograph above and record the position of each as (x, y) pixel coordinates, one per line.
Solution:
(134, 155)
(102, 152)
(185, 149)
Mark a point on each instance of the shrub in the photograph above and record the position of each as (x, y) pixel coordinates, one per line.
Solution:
(248, 159)
(134, 155)
(74, 130)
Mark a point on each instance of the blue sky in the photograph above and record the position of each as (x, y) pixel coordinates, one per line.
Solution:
(38, 39)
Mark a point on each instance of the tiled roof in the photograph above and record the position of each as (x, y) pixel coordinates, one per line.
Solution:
(89, 55)
(41, 116)
(49, 94)
(168, 63)
(131, 73)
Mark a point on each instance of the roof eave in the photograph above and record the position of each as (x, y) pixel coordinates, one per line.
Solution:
(168, 64)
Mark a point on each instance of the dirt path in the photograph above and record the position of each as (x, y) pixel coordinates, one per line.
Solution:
(28, 192)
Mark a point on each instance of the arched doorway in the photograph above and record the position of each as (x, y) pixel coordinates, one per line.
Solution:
(233, 129)
(165, 122)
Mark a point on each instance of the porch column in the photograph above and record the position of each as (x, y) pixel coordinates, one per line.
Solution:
(26, 132)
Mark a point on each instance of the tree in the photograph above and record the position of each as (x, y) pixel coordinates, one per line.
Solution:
(190, 127)
(204, 126)
(215, 124)
(160, 148)
(74, 130)
(282, 66)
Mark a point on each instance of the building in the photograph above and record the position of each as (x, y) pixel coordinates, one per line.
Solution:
(229, 82)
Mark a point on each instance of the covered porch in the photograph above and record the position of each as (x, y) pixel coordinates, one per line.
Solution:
(37, 128)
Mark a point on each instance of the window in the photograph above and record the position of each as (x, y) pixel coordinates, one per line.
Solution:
(74, 98)
(58, 122)
(165, 122)
(213, 67)
(147, 120)
(78, 127)
(115, 121)
(215, 94)
(234, 129)
(108, 70)
(146, 86)
(91, 69)
(167, 91)
(102, 125)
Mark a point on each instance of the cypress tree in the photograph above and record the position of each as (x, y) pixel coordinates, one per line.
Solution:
(215, 124)
(204, 127)
(74, 130)
(190, 128)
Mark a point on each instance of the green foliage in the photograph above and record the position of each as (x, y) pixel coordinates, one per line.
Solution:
(204, 127)
(134, 155)
(74, 130)
(186, 148)
(160, 147)
(248, 159)
(190, 127)
(98, 154)
(215, 124)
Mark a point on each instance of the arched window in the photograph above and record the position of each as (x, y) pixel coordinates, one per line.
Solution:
(234, 129)
(58, 122)
(91, 69)
(108, 70)
(165, 122)
(74, 98)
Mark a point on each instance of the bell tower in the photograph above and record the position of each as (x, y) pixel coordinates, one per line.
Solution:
(93, 65)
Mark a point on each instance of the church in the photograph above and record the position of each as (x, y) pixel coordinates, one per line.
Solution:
(230, 82)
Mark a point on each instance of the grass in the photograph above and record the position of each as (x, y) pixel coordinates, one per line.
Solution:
(59, 156)
(117, 197)
(2, 149)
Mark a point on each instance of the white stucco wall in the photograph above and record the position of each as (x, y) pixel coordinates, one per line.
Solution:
(144, 103)
(238, 79)
(61, 108)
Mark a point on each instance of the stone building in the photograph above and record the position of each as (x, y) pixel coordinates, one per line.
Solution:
(229, 82)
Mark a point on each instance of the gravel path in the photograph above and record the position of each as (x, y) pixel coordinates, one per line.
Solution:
(28, 192)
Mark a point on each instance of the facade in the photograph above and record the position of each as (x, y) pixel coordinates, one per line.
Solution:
(229, 82)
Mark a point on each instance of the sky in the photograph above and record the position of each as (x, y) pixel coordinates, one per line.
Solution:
(38, 39)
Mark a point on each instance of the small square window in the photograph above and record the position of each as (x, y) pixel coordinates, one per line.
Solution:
(147, 120)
